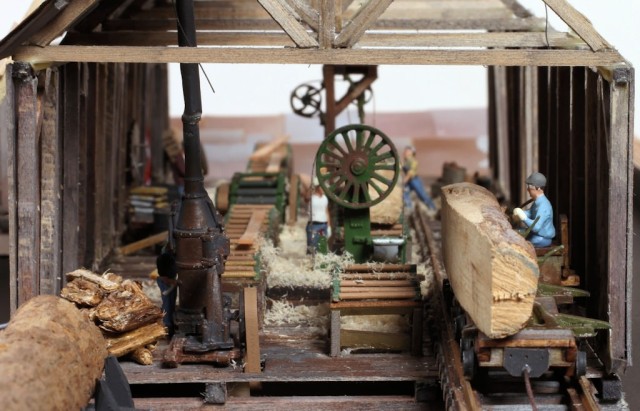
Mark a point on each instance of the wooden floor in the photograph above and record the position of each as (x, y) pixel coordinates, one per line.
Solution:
(298, 373)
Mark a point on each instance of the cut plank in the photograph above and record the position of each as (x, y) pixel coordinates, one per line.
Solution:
(492, 269)
(253, 228)
(144, 243)
(129, 342)
(252, 359)
(268, 148)
(50, 356)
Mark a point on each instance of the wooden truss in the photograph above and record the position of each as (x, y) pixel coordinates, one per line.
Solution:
(455, 32)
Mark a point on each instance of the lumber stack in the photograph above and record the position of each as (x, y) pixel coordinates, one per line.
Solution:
(50, 356)
(130, 322)
(492, 269)
(145, 201)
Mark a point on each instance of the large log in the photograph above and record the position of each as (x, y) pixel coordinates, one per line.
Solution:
(50, 356)
(492, 269)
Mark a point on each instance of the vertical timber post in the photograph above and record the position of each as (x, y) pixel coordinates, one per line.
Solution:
(27, 181)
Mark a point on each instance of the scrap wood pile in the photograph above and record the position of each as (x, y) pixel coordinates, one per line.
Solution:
(130, 322)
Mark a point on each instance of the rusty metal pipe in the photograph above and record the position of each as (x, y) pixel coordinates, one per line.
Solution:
(201, 244)
(192, 98)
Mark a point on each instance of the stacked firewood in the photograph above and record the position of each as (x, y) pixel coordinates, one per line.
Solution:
(130, 322)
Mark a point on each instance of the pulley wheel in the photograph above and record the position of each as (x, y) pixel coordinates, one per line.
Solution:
(306, 100)
(357, 166)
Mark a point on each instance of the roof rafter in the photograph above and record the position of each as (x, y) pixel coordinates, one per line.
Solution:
(578, 23)
(363, 19)
(67, 17)
(288, 19)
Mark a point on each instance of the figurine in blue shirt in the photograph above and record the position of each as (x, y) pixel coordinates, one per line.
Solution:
(543, 231)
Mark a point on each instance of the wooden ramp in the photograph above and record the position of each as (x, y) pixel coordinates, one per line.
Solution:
(245, 224)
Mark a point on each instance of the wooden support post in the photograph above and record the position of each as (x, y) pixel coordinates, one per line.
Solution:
(328, 76)
(502, 129)
(27, 179)
(288, 19)
(335, 333)
(50, 201)
(70, 166)
(12, 186)
(327, 26)
(620, 214)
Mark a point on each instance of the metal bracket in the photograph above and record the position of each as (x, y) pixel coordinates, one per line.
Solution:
(517, 359)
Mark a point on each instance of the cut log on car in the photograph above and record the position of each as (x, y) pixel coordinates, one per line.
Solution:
(51, 356)
(492, 269)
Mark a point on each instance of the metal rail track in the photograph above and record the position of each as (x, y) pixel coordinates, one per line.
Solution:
(496, 390)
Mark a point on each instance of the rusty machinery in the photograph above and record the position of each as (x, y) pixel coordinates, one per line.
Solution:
(357, 167)
(202, 323)
(306, 99)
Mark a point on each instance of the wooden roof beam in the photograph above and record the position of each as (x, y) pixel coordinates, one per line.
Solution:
(66, 19)
(527, 24)
(376, 39)
(289, 20)
(363, 20)
(360, 56)
(578, 23)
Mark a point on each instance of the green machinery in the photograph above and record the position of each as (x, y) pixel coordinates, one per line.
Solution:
(357, 167)
(264, 182)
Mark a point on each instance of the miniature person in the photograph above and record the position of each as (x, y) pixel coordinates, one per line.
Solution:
(167, 282)
(411, 180)
(318, 224)
(543, 230)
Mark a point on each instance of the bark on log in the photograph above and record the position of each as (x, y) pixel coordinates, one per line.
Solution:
(82, 292)
(492, 269)
(104, 283)
(126, 309)
(51, 356)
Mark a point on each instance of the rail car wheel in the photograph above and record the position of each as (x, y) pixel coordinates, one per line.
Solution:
(469, 363)
(306, 100)
(581, 364)
(353, 159)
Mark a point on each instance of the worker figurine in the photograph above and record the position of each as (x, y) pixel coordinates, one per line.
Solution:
(168, 284)
(543, 230)
(411, 180)
(318, 224)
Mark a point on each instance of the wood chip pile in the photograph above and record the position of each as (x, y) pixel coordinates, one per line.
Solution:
(130, 322)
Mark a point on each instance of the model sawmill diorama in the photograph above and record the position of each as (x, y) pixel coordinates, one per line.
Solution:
(351, 284)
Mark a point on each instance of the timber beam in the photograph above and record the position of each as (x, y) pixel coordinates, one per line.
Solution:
(362, 56)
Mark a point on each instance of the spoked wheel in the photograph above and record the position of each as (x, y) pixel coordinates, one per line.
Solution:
(306, 100)
(357, 166)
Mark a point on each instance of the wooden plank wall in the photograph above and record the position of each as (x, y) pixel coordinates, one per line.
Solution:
(71, 165)
(580, 132)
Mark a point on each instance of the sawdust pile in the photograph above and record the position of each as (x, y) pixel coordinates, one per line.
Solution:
(282, 312)
(289, 266)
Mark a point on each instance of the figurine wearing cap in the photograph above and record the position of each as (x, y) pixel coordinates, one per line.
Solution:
(411, 180)
(543, 231)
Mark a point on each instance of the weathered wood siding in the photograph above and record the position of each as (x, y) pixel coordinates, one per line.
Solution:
(82, 134)
(574, 125)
